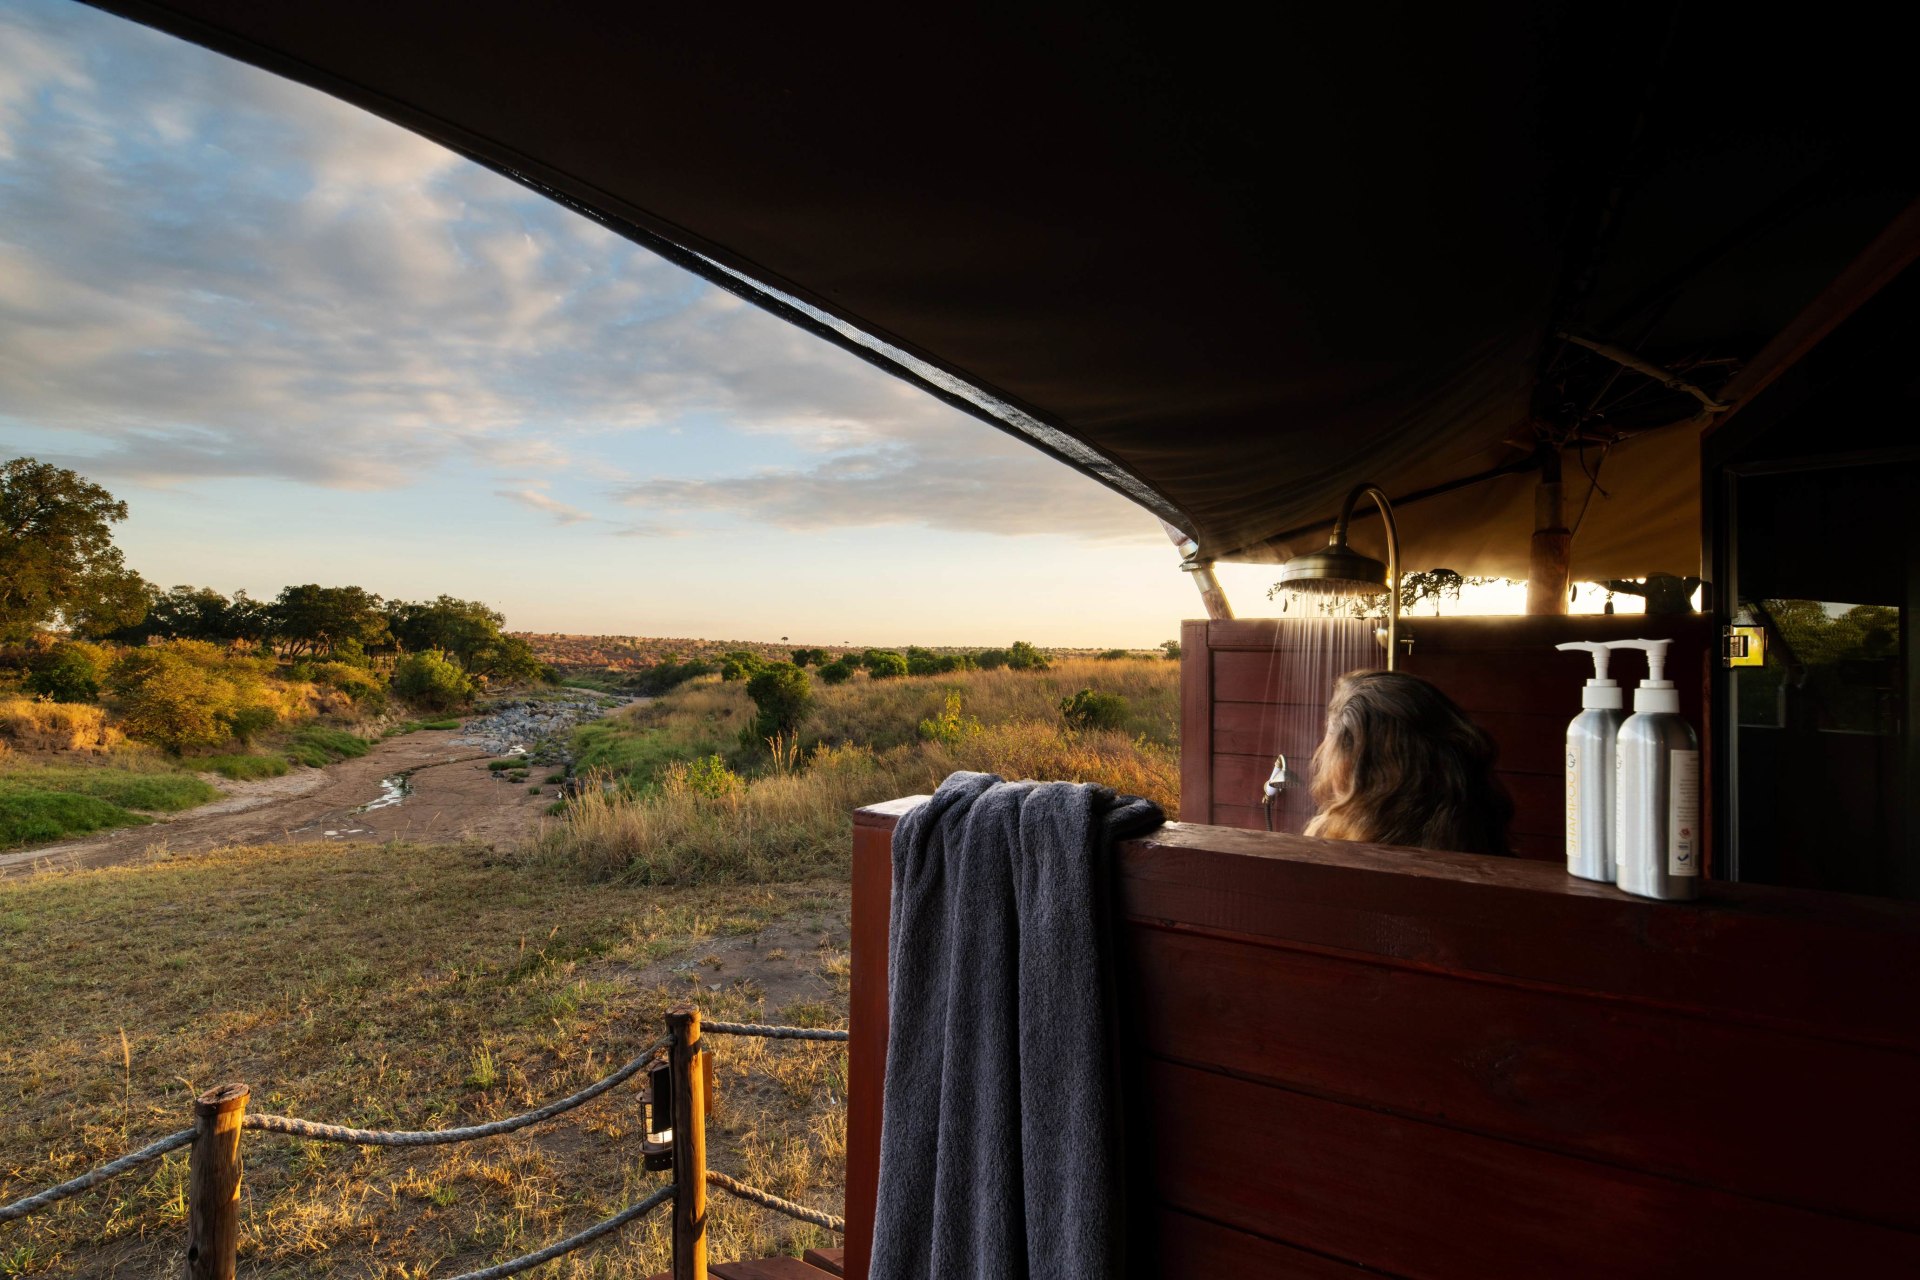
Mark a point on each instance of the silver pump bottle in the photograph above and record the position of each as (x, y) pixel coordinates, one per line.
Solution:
(1591, 769)
(1657, 793)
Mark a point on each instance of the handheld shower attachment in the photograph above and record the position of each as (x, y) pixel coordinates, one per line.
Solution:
(1277, 783)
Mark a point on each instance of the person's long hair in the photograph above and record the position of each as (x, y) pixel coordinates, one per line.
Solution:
(1401, 764)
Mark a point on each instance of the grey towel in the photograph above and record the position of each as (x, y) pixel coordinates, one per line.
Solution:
(999, 1155)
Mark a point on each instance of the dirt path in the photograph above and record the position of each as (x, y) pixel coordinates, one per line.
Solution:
(452, 797)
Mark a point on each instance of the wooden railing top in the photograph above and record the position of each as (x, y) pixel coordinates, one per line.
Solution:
(1743, 950)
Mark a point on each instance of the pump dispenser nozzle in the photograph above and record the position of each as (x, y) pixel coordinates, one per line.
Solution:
(1656, 692)
(1600, 691)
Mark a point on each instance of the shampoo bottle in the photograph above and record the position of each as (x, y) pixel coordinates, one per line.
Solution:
(1590, 770)
(1657, 790)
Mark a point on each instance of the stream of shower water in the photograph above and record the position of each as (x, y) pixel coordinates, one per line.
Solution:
(1314, 645)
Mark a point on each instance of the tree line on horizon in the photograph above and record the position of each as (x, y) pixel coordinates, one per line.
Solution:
(60, 571)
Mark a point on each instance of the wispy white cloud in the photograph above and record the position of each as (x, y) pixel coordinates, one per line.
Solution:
(562, 512)
(206, 271)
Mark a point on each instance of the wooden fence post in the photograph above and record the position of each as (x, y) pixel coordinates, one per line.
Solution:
(689, 1145)
(213, 1184)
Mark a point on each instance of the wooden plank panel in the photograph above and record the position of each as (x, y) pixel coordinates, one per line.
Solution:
(1239, 816)
(1196, 720)
(1641, 1087)
(831, 1261)
(1425, 1201)
(1529, 742)
(1247, 676)
(1538, 848)
(867, 1023)
(1191, 1246)
(1741, 952)
(766, 1269)
(1538, 799)
(1256, 728)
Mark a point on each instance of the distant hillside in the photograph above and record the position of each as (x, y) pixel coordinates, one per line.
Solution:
(581, 654)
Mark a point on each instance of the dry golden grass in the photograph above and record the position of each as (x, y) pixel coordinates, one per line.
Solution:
(27, 724)
(399, 987)
(884, 713)
(793, 820)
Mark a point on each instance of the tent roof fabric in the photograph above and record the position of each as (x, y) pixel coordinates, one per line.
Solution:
(1228, 270)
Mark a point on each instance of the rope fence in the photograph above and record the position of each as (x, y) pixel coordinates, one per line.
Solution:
(772, 1033)
(469, 1133)
(94, 1177)
(220, 1114)
(766, 1199)
(632, 1213)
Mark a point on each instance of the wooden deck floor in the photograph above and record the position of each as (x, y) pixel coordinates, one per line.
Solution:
(818, 1263)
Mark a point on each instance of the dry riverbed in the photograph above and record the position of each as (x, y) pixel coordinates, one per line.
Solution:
(429, 786)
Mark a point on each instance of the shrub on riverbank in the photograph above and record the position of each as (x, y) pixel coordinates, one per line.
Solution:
(55, 802)
(428, 680)
(317, 746)
(30, 725)
(244, 768)
(188, 694)
(864, 742)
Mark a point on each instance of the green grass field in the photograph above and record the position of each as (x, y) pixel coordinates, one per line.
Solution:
(44, 802)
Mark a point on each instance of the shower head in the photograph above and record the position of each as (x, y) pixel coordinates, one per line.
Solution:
(1338, 570)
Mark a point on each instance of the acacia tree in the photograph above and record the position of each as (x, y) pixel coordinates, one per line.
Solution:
(310, 620)
(56, 550)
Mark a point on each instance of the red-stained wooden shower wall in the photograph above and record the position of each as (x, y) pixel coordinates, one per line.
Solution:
(1504, 672)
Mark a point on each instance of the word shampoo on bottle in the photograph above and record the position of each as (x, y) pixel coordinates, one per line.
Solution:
(1591, 770)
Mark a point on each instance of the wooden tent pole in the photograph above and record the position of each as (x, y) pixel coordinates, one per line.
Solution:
(1549, 566)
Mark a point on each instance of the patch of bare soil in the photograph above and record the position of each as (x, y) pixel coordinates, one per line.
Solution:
(790, 965)
(444, 792)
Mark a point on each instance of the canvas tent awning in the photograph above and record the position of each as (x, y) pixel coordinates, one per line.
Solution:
(1227, 269)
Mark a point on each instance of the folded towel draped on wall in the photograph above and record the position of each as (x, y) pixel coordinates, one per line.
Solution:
(999, 1154)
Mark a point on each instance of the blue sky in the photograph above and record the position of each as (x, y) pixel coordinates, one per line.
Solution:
(307, 345)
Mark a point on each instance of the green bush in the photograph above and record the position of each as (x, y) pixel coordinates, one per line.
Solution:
(441, 725)
(35, 817)
(839, 671)
(950, 726)
(317, 747)
(70, 672)
(663, 677)
(155, 790)
(782, 693)
(500, 766)
(884, 664)
(741, 665)
(1024, 657)
(1113, 655)
(244, 768)
(925, 662)
(429, 680)
(354, 680)
(708, 777)
(190, 694)
(1088, 709)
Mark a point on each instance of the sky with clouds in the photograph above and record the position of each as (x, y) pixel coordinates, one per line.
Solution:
(307, 345)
